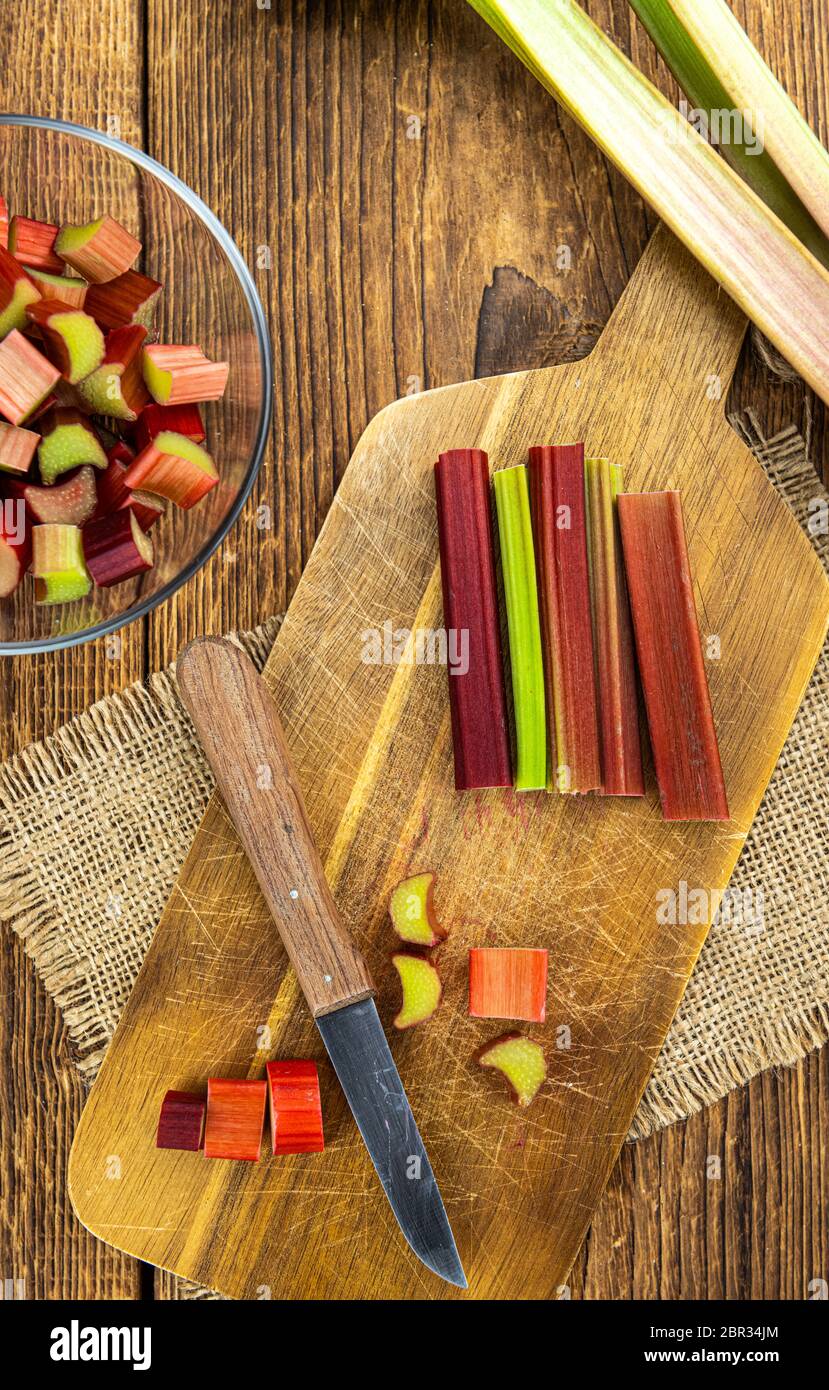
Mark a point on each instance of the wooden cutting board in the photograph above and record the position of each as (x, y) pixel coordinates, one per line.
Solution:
(372, 749)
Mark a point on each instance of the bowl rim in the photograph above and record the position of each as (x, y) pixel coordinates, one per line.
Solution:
(257, 312)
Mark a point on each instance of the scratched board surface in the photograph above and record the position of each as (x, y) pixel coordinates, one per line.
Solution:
(372, 747)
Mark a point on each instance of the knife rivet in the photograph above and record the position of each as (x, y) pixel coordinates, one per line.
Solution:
(293, 893)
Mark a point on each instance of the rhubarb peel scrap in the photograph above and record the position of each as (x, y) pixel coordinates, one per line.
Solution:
(477, 698)
(520, 1061)
(621, 749)
(26, 378)
(421, 986)
(508, 982)
(521, 593)
(295, 1107)
(680, 721)
(413, 913)
(235, 1115)
(181, 1121)
(558, 511)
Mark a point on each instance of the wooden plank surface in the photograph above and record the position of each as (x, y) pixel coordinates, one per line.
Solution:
(293, 123)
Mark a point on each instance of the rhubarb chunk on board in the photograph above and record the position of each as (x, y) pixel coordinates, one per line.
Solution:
(508, 982)
(680, 720)
(26, 378)
(477, 697)
(618, 708)
(421, 986)
(412, 911)
(558, 513)
(181, 1121)
(295, 1108)
(520, 1061)
(235, 1114)
(99, 250)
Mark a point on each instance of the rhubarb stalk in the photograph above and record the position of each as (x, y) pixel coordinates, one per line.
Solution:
(69, 440)
(33, 243)
(613, 636)
(521, 593)
(17, 449)
(235, 1114)
(17, 291)
(295, 1108)
(176, 375)
(115, 548)
(558, 511)
(155, 419)
(130, 298)
(71, 339)
(754, 256)
(508, 982)
(477, 700)
(70, 503)
(114, 494)
(58, 567)
(99, 250)
(680, 722)
(26, 378)
(181, 1121)
(172, 466)
(68, 289)
(117, 387)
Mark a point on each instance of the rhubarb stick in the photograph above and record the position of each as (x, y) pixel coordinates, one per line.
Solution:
(680, 722)
(155, 419)
(235, 1112)
(99, 250)
(114, 494)
(508, 982)
(557, 486)
(70, 503)
(477, 699)
(115, 548)
(33, 243)
(526, 661)
(178, 374)
(181, 1121)
(295, 1108)
(117, 387)
(58, 567)
(130, 298)
(172, 466)
(71, 339)
(26, 377)
(621, 751)
(69, 290)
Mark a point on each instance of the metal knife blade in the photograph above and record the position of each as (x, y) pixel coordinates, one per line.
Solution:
(357, 1046)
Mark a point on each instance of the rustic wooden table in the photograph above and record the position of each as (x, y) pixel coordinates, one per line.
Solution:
(404, 187)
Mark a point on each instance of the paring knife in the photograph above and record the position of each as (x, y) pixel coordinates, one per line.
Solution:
(240, 731)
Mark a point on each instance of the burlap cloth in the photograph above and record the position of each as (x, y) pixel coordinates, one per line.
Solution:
(95, 822)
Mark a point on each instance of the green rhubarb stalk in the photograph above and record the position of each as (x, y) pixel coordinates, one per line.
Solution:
(512, 502)
(742, 133)
(710, 47)
(723, 222)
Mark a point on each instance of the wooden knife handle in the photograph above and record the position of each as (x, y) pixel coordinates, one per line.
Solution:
(240, 731)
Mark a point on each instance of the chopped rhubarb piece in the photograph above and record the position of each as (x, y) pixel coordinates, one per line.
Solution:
(71, 502)
(295, 1108)
(173, 467)
(4, 223)
(520, 1060)
(113, 492)
(68, 289)
(680, 722)
(17, 291)
(558, 510)
(26, 377)
(15, 545)
(115, 548)
(181, 1121)
(17, 449)
(413, 913)
(512, 501)
(33, 243)
(117, 387)
(621, 747)
(69, 440)
(176, 375)
(421, 989)
(181, 419)
(99, 250)
(508, 982)
(235, 1114)
(58, 567)
(71, 338)
(477, 699)
(130, 298)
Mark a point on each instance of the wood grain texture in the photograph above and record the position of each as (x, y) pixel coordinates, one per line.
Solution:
(243, 740)
(294, 125)
(372, 751)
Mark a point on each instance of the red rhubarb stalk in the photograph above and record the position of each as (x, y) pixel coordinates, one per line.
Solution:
(173, 467)
(58, 567)
(117, 387)
(181, 1121)
(114, 494)
(508, 982)
(155, 419)
(99, 250)
(72, 339)
(33, 243)
(613, 636)
(558, 511)
(177, 374)
(680, 722)
(129, 298)
(69, 290)
(115, 548)
(235, 1114)
(26, 377)
(477, 699)
(69, 440)
(17, 291)
(295, 1108)
(17, 449)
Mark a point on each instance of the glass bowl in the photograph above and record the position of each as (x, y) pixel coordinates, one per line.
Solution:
(63, 173)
